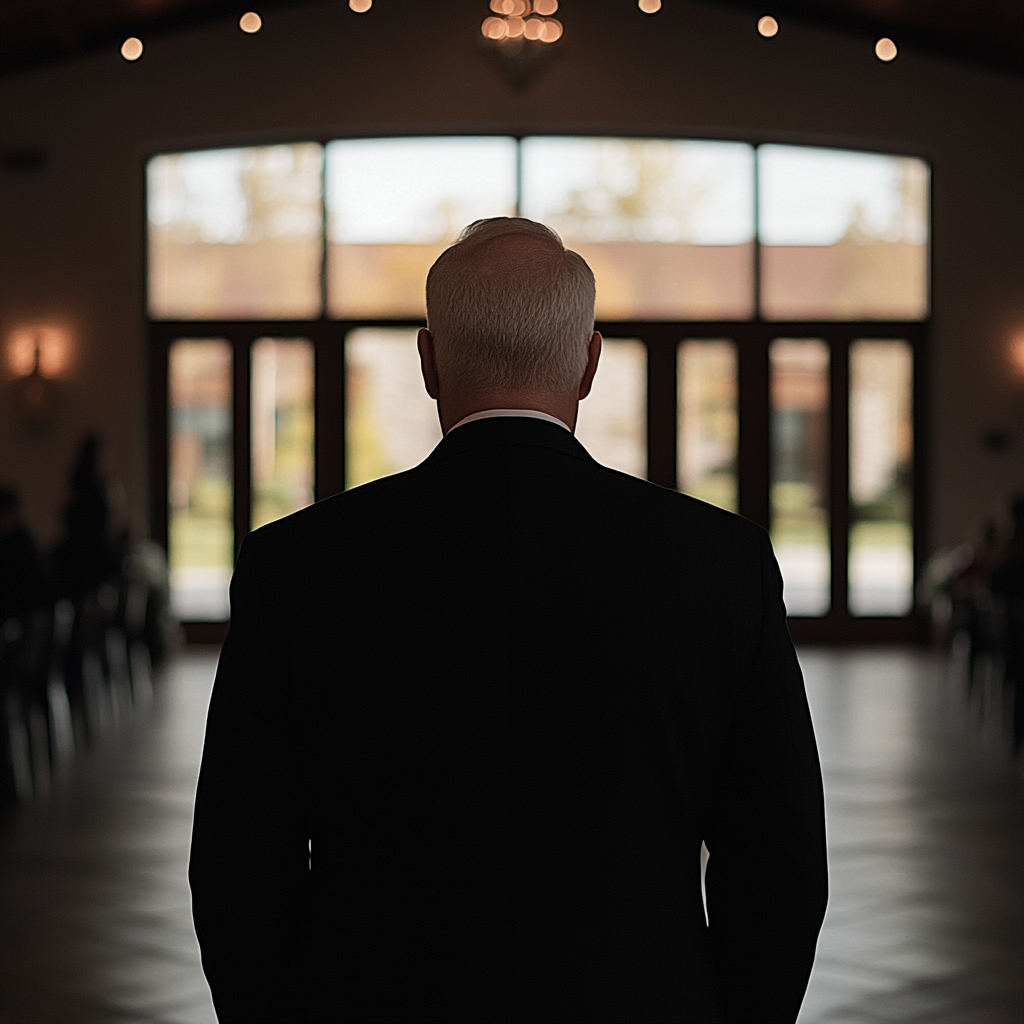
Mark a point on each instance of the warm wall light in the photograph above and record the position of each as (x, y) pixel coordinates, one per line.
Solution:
(885, 49)
(649, 6)
(360, 6)
(1015, 354)
(35, 355)
(768, 26)
(131, 48)
(250, 22)
(42, 349)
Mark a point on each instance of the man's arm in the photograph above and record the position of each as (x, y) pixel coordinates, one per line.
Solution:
(250, 861)
(766, 880)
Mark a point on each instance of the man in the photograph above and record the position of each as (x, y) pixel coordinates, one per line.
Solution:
(472, 722)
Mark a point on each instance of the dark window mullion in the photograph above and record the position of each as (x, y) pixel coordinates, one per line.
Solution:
(754, 453)
(839, 468)
(159, 434)
(918, 339)
(241, 345)
(329, 410)
(661, 405)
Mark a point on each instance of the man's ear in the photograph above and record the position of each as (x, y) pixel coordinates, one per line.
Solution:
(593, 355)
(428, 364)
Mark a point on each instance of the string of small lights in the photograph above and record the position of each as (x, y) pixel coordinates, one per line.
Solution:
(515, 21)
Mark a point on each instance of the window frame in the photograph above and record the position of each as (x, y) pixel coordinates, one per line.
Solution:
(661, 339)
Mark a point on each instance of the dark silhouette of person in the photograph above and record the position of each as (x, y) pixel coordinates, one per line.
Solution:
(85, 558)
(472, 722)
(24, 579)
(1007, 581)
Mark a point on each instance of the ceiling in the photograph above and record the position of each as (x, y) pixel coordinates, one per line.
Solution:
(989, 33)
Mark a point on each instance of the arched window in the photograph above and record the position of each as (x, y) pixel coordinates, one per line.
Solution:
(765, 309)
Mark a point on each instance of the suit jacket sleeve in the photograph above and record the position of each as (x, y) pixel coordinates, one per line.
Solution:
(250, 859)
(766, 879)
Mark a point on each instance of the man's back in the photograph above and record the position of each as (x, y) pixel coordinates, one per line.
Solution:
(505, 696)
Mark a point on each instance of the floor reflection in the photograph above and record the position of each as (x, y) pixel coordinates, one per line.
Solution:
(926, 839)
(926, 849)
(95, 918)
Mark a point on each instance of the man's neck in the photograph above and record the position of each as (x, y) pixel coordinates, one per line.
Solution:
(453, 409)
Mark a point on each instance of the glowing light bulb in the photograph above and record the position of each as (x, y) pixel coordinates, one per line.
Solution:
(768, 26)
(250, 22)
(545, 7)
(360, 6)
(649, 6)
(533, 28)
(131, 48)
(494, 28)
(551, 31)
(515, 27)
(519, 8)
(885, 49)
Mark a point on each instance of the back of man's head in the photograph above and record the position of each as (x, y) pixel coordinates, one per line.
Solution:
(510, 309)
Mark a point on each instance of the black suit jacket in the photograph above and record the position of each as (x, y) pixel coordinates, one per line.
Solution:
(470, 726)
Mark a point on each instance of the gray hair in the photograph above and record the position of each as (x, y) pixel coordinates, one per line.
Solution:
(510, 309)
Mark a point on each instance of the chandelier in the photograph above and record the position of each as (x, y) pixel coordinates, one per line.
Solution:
(520, 34)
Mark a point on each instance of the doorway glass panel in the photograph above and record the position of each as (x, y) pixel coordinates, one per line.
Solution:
(612, 423)
(236, 233)
(708, 421)
(390, 421)
(800, 472)
(394, 205)
(844, 235)
(281, 428)
(666, 225)
(881, 567)
(200, 532)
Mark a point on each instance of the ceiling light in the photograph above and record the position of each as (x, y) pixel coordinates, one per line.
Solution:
(360, 6)
(768, 26)
(131, 48)
(649, 6)
(885, 49)
(533, 28)
(494, 28)
(250, 22)
(545, 7)
(551, 31)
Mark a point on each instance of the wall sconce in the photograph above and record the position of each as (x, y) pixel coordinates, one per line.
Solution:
(36, 357)
(1015, 354)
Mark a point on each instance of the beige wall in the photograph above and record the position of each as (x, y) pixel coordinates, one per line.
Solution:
(71, 236)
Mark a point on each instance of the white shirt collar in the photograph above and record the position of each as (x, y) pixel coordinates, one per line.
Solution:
(530, 414)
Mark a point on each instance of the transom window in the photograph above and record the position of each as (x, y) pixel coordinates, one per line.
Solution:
(764, 310)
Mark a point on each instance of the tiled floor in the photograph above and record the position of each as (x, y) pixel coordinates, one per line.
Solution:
(925, 926)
